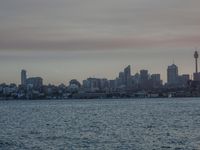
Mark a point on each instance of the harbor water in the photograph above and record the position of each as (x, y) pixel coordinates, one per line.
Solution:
(117, 124)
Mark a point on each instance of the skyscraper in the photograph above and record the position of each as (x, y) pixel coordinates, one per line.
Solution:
(156, 81)
(121, 78)
(127, 76)
(155, 77)
(23, 77)
(183, 80)
(35, 82)
(172, 75)
(143, 76)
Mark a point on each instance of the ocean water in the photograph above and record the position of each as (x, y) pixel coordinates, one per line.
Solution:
(135, 124)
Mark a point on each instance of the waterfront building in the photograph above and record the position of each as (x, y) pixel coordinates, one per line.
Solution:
(121, 79)
(92, 84)
(23, 77)
(112, 85)
(144, 78)
(184, 79)
(196, 76)
(127, 76)
(172, 75)
(86, 85)
(136, 78)
(156, 81)
(35, 82)
(155, 77)
(103, 84)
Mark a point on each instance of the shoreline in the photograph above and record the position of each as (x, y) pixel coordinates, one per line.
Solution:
(121, 98)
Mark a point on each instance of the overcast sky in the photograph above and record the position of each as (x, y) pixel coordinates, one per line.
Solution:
(64, 39)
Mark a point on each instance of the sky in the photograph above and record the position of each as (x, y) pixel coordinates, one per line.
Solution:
(60, 40)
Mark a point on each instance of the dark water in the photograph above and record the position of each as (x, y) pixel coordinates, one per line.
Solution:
(100, 124)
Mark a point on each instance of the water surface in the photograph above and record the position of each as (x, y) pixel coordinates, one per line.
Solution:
(140, 124)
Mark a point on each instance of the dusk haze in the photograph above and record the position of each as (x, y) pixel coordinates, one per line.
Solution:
(99, 74)
(64, 39)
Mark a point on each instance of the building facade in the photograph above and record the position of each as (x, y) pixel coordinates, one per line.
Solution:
(172, 75)
(23, 77)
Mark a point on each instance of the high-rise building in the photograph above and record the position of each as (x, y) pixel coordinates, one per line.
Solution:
(121, 79)
(35, 82)
(172, 75)
(92, 84)
(196, 76)
(127, 76)
(112, 85)
(103, 84)
(144, 79)
(155, 77)
(136, 78)
(144, 76)
(156, 82)
(184, 79)
(23, 77)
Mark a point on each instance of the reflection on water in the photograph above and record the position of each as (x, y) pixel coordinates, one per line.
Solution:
(100, 124)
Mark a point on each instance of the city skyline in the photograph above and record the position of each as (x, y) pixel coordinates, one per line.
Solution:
(99, 74)
(64, 39)
(127, 73)
(132, 72)
(125, 84)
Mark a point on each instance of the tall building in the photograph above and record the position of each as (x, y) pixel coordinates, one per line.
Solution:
(112, 85)
(127, 76)
(121, 79)
(144, 79)
(104, 84)
(35, 82)
(23, 77)
(196, 76)
(92, 84)
(144, 76)
(156, 81)
(172, 75)
(155, 77)
(184, 79)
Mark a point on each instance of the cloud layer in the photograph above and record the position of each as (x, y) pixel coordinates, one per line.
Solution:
(87, 35)
(96, 25)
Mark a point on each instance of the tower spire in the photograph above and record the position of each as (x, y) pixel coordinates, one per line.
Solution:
(196, 56)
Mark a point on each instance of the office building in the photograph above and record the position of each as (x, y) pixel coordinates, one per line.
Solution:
(127, 76)
(184, 79)
(121, 79)
(144, 76)
(172, 75)
(35, 82)
(156, 81)
(23, 78)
